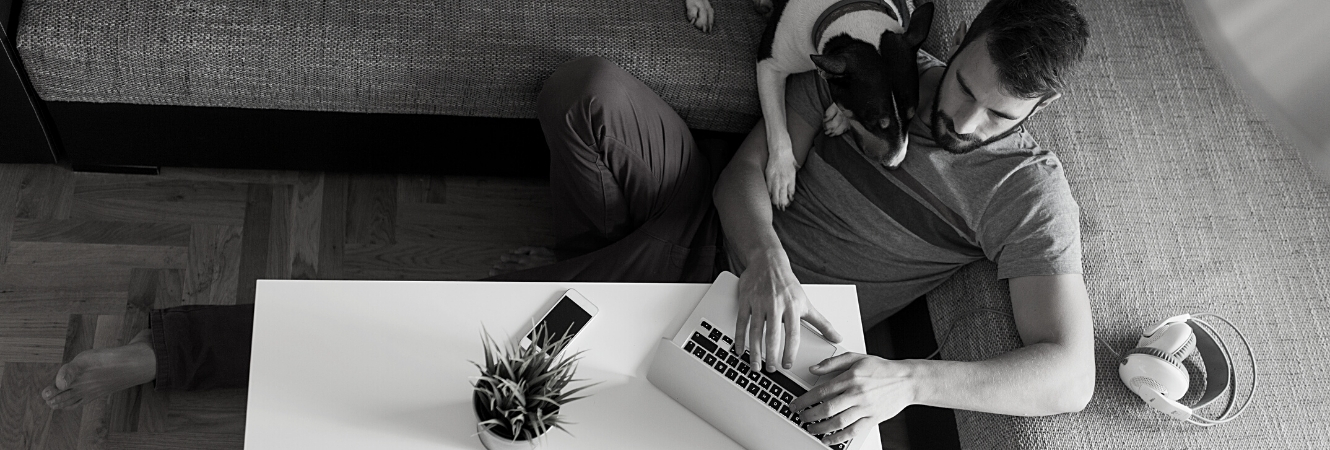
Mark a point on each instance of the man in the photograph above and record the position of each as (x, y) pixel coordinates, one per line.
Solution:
(629, 188)
(975, 185)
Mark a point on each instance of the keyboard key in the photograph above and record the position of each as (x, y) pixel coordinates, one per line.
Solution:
(709, 359)
(743, 382)
(752, 389)
(699, 352)
(763, 396)
(722, 353)
(776, 390)
(743, 366)
(731, 374)
(840, 446)
(728, 340)
(703, 342)
(715, 335)
(706, 325)
(786, 397)
(785, 410)
(754, 376)
(689, 346)
(732, 360)
(720, 366)
(774, 403)
(764, 382)
(787, 383)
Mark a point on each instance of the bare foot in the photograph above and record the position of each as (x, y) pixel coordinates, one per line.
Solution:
(95, 373)
(523, 258)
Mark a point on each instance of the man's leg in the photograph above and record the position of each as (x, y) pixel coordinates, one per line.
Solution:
(632, 202)
(202, 346)
(185, 348)
(631, 193)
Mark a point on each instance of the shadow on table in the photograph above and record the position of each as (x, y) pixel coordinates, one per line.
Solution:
(451, 424)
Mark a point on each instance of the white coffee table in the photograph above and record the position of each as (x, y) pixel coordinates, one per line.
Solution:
(385, 364)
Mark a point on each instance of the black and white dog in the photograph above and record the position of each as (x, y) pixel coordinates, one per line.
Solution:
(865, 50)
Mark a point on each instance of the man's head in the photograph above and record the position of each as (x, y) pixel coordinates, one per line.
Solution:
(1011, 63)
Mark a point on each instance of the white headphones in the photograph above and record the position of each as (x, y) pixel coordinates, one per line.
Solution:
(1154, 370)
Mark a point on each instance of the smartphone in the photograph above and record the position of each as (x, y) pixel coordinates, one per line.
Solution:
(567, 316)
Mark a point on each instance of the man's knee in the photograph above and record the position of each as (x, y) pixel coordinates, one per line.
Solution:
(579, 83)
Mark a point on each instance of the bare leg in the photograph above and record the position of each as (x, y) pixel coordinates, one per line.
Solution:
(95, 373)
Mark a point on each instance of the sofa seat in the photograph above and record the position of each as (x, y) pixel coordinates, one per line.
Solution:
(454, 57)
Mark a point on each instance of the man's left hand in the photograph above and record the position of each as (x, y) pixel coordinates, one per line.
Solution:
(867, 391)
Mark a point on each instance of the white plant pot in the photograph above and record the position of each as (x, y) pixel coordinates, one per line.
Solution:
(493, 441)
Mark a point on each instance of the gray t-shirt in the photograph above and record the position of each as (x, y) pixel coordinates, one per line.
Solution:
(897, 234)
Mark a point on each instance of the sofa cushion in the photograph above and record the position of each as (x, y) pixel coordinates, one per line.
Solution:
(1189, 203)
(468, 57)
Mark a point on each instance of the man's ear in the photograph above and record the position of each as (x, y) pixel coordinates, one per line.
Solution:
(833, 65)
(956, 39)
(1045, 102)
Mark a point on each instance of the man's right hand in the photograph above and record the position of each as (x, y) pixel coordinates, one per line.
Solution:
(772, 300)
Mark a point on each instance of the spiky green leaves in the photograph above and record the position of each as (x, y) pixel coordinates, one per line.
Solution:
(520, 390)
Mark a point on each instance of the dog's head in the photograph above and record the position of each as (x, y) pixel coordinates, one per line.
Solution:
(879, 88)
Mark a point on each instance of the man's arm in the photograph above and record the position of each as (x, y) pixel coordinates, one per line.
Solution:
(1053, 373)
(769, 293)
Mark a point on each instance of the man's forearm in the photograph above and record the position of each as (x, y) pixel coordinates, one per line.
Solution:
(1035, 380)
(745, 212)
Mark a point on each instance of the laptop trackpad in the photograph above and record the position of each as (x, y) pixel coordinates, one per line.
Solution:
(812, 350)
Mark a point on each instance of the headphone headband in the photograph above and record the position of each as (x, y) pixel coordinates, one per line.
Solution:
(1218, 365)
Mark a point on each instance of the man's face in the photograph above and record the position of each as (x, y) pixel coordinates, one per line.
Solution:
(971, 107)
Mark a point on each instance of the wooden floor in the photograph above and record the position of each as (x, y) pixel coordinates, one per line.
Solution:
(86, 256)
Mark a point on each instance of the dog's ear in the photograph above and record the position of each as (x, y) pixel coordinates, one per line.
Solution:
(920, 22)
(833, 65)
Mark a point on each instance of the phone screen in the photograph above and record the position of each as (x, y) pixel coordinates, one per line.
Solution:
(566, 316)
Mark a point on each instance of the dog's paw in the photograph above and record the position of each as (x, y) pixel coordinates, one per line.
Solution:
(699, 14)
(762, 7)
(835, 121)
(780, 174)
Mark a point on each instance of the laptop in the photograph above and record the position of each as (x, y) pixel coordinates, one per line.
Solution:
(699, 369)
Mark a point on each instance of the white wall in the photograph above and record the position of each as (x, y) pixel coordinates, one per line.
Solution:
(1279, 50)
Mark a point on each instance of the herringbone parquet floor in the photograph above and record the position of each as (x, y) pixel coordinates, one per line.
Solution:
(85, 256)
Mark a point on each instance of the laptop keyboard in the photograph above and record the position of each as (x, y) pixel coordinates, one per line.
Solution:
(774, 389)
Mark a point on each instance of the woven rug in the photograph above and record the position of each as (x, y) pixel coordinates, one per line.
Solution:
(1189, 203)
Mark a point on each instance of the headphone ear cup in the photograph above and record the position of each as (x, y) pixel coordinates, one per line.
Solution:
(1185, 350)
(1147, 370)
(1157, 353)
(1176, 339)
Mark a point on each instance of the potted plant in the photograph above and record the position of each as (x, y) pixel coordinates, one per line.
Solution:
(519, 392)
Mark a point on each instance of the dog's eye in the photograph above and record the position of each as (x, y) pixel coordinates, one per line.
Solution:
(909, 113)
(884, 123)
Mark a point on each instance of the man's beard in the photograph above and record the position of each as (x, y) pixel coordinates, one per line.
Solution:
(944, 132)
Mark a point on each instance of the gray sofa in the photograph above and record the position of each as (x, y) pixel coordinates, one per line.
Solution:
(1190, 203)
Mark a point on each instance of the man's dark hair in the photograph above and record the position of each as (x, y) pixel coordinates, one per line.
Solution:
(1034, 43)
